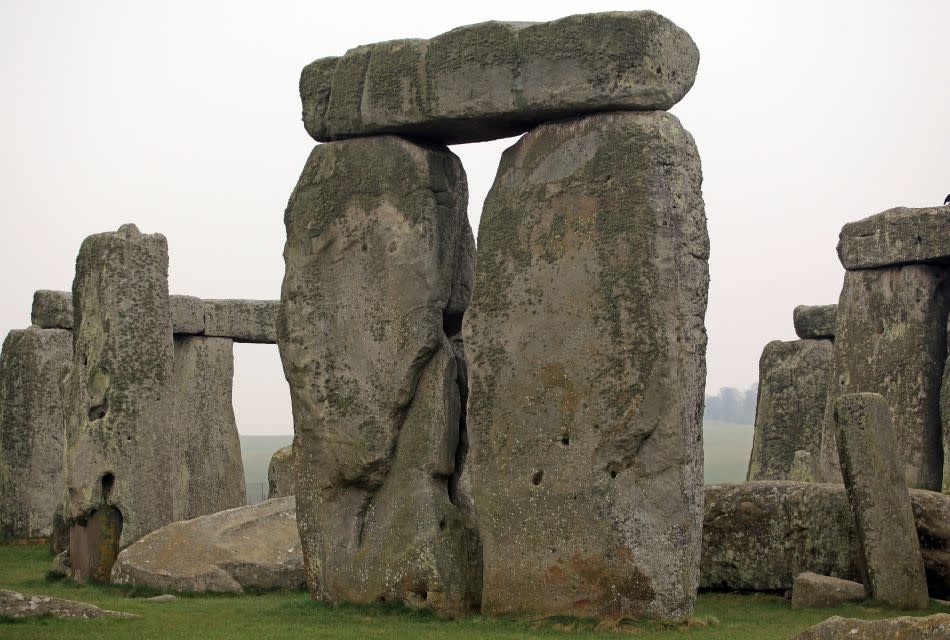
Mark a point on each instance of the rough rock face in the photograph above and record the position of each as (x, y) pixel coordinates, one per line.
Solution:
(280, 473)
(248, 547)
(815, 323)
(891, 339)
(935, 627)
(188, 315)
(213, 472)
(793, 383)
(945, 417)
(588, 346)
(379, 263)
(24, 605)
(896, 236)
(758, 536)
(32, 365)
(884, 522)
(497, 79)
(813, 590)
(52, 309)
(242, 320)
(120, 395)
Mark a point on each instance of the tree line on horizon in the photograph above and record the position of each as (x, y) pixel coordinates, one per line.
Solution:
(732, 405)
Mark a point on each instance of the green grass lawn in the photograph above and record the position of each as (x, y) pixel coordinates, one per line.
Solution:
(293, 615)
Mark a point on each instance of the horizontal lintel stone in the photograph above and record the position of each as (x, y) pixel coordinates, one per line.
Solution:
(896, 236)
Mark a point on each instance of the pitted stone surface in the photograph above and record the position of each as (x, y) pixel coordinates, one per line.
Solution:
(587, 346)
(498, 79)
(14, 604)
(935, 627)
(280, 473)
(896, 236)
(253, 547)
(242, 320)
(188, 315)
(883, 518)
(52, 309)
(32, 366)
(378, 274)
(891, 339)
(815, 322)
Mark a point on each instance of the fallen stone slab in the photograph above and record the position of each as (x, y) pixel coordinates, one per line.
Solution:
(896, 236)
(165, 597)
(24, 605)
(498, 79)
(252, 547)
(242, 320)
(815, 322)
(813, 590)
(52, 309)
(280, 473)
(759, 536)
(935, 627)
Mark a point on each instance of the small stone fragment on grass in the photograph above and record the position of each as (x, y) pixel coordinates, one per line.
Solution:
(22, 605)
(165, 597)
(814, 590)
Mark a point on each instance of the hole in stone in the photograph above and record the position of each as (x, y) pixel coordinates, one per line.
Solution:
(613, 473)
(451, 324)
(441, 525)
(99, 411)
(108, 481)
(537, 476)
(565, 440)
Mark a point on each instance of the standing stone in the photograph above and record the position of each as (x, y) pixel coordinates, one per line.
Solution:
(891, 339)
(378, 275)
(212, 477)
(588, 347)
(280, 473)
(121, 449)
(497, 79)
(32, 365)
(793, 383)
(880, 503)
(815, 323)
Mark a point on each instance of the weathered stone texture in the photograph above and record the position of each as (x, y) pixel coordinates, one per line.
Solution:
(32, 365)
(52, 309)
(212, 476)
(188, 315)
(934, 627)
(253, 547)
(793, 383)
(587, 346)
(813, 590)
(883, 518)
(945, 417)
(891, 339)
(280, 473)
(372, 300)
(497, 79)
(815, 322)
(14, 604)
(896, 236)
(242, 320)
(758, 536)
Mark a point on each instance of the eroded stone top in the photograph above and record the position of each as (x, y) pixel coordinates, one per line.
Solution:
(497, 79)
(815, 322)
(897, 236)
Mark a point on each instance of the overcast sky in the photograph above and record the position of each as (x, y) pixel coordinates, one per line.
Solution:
(184, 118)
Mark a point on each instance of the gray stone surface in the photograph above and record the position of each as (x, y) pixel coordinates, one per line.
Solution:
(52, 309)
(242, 320)
(32, 365)
(891, 339)
(933, 627)
(896, 236)
(813, 590)
(14, 604)
(758, 536)
(884, 521)
(378, 274)
(815, 322)
(212, 477)
(188, 315)
(280, 473)
(945, 417)
(587, 346)
(253, 547)
(793, 384)
(497, 79)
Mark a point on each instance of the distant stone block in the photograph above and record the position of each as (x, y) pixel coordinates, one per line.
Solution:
(896, 236)
(52, 309)
(815, 323)
(280, 473)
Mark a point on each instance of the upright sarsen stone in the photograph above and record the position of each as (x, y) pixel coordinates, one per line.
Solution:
(32, 365)
(280, 473)
(378, 274)
(587, 342)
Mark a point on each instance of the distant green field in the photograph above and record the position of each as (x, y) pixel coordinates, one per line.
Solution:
(727, 449)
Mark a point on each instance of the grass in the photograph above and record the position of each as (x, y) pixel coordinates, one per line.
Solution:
(293, 615)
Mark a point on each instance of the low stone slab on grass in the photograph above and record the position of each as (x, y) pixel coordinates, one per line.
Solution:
(904, 628)
(14, 604)
(813, 590)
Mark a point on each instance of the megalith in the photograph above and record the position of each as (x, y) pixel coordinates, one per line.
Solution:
(378, 274)
(901, 235)
(280, 473)
(587, 344)
(793, 384)
(815, 322)
(32, 365)
(891, 564)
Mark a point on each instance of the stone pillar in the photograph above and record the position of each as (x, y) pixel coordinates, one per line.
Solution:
(884, 522)
(378, 275)
(32, 365)
(793, 383)
(945, 417)
(212, 477)
(587, 343)
(280, 473)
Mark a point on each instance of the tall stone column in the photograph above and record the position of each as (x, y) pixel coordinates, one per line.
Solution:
(587, 343)
(379, 262)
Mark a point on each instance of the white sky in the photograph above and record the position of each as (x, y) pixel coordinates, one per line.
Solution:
(184, 118)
